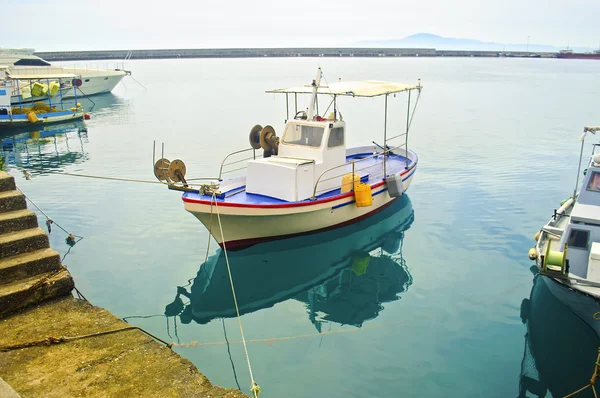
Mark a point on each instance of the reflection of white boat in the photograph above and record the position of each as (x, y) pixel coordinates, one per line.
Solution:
(93, 81)
(560, 348)
(568, 246)
(307, 182)
(343, 276)
(39, 113)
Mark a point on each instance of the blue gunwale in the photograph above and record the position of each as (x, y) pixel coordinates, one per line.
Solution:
(395, 164)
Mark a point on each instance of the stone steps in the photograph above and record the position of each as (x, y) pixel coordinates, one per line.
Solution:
(20, 242)
(11, 201)
(30, 271)
(17, 220)
(34, 289)
(7, 183)
(28, 264)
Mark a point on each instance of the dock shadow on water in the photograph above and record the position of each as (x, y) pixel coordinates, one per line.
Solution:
(560, 349)
(343, 276)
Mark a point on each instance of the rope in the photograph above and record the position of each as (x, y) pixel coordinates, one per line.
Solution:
(592, 380)
(255, 388)
(50, 221)
(57, 340)
(229, 352)
(288, 338)
(104, 178)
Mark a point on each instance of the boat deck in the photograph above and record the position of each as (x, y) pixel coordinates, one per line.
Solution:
(367, 169)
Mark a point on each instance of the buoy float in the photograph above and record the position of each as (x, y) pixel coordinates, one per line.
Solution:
(532, 253)
(536, 237)
(87, 116)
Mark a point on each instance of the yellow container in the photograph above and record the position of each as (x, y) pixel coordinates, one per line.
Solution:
(348, 182)
(39, 89)
(362, 195)
(31, 116)
(53, 89)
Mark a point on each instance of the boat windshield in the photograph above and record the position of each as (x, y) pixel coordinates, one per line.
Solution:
(594, 184)
(31, 62)
(310, 136)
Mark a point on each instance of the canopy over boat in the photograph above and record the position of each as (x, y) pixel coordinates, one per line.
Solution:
(368, 88)
(36, 76)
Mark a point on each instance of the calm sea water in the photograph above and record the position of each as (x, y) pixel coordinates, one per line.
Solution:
(422, 301)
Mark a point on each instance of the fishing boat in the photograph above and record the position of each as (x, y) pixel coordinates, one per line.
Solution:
(343, 276)
(47, 87)
(567, 251)
(307, 181)
(92, 80)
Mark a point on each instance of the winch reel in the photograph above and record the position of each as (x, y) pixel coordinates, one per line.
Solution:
(171, 172)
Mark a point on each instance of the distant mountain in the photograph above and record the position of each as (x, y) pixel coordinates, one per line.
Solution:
(428, 40)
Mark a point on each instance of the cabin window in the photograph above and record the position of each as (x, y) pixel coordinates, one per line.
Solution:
(578, 238)
(336, 137)
(594, 184)
(31, 62)
(310, 136)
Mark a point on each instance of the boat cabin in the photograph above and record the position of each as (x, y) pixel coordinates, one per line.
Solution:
(306, 150)
(582, 234)
(5, 94)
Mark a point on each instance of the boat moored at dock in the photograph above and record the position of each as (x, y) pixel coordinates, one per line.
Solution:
(92, 80)
(307, 181)
(567, 252)
(50, 106)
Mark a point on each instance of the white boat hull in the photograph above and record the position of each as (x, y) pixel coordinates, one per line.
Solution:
(98, 83)
(243, 227)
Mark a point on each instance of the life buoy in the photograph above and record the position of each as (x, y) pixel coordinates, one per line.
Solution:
(77, 82)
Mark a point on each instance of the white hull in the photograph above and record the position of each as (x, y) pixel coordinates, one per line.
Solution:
(243, 227)
(93, 82)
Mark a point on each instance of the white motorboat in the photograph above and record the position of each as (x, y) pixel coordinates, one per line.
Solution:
(89, 82)
(306, 182)
(567, 252)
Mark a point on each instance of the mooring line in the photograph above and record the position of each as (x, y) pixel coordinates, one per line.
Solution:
(57, 340)
(288, 338)
(254, 387)
(49, 221)
(102, 177)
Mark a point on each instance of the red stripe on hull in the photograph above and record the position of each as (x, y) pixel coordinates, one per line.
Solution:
(285, 205)
(235, 245)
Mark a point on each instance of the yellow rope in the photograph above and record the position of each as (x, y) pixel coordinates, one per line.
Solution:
(254, 387)
(287, 338)
(592, 379)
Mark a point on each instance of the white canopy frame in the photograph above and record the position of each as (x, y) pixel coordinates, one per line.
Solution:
(367, 89)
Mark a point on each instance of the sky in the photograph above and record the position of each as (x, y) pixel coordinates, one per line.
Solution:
(54, 25)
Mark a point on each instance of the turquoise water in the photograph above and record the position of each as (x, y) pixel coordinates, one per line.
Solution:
(424, 300)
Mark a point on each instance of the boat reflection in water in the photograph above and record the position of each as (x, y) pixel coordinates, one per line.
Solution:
(108, 109)
(48, 148)
(343, 275)
(560, 348)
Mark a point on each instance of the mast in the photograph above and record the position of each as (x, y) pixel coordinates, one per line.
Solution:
(313, 98)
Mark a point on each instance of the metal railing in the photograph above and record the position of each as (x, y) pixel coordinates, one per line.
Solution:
(354, 169)
(224, 164)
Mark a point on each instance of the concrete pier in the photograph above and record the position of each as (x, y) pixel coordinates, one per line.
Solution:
(275, 52)
(54, 345)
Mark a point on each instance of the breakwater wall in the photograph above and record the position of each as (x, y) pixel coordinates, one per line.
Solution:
(274, 52)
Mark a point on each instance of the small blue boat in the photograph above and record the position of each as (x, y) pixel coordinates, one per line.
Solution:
(50, 107)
